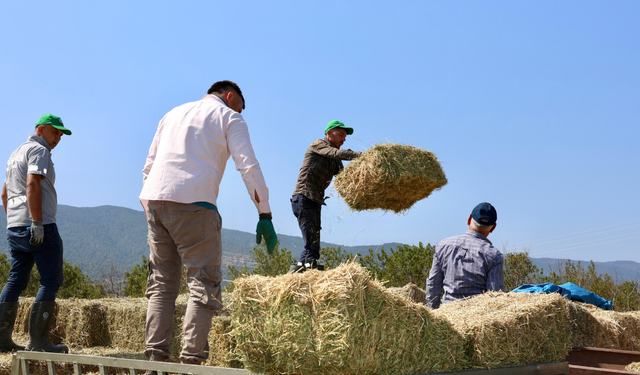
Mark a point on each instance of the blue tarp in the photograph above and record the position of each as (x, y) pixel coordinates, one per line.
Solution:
(569, 290)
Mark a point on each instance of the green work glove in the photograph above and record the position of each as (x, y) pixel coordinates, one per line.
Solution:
(265, 229)
(37, 233)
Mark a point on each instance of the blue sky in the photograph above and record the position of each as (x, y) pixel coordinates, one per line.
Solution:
(532, 106)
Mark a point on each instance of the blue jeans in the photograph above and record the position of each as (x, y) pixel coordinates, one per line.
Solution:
(47, 257)
(308, 214)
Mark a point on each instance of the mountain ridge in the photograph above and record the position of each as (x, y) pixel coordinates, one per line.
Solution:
(97, 237)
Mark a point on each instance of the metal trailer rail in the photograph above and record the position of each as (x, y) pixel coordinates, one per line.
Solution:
(555, 368)
(599, 361)
(20, 365)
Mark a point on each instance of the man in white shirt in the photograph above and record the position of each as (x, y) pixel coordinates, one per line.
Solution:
(182, 175)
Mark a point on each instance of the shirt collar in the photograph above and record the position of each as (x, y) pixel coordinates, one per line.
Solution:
(215, 97)
(475, 234)
(35, 138)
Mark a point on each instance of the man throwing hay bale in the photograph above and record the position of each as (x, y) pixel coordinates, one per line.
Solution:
(469, 264)
(321, 162)
(390, 177)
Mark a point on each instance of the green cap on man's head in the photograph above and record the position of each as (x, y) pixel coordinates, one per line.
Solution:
(337, 124)
(54, 121)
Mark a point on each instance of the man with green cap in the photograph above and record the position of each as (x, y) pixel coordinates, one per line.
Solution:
(30, 202)
(321, 162)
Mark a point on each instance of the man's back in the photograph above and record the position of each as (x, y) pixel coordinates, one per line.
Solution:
(188, 156)
(464, 266)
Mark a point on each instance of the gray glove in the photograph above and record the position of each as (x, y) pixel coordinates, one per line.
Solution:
(37, 233)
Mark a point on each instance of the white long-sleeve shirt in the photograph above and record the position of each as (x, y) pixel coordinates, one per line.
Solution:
(190, 150)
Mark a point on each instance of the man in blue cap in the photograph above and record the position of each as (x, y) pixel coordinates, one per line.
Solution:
(31, 203)
(321, 162)
(469, 264)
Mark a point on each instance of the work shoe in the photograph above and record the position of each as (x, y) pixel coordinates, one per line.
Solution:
(8, 312)
(296, 268)
(39, 322)
(314, 266)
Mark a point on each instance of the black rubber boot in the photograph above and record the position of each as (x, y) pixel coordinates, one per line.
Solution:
(8, 313)
(39, 322)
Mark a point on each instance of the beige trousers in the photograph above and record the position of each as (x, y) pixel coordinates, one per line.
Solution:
(189, 235)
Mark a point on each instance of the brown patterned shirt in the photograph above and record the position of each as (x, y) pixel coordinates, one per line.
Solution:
(321, 162)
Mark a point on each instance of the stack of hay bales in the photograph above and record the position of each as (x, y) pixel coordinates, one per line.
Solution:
(119, 323)
(390, 177)
(339, 321)
(510, 329)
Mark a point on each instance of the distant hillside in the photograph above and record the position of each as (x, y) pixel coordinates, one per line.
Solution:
(620, 270)
(96, 237)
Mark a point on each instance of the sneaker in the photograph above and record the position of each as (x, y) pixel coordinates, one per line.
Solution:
(297, 267)
(314, 266)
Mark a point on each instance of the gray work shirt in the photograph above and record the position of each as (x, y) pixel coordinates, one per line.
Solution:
(321, 162)
(32, 157)
(464, 266)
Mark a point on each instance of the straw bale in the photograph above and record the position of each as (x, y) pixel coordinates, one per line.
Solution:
(222, 346)
(614, 330)
(339, 321)
(410, 291)
(390, 177)
(588, 331)
(512, 329)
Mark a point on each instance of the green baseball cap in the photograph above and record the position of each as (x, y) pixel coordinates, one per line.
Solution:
(337, 124)
(54, 121)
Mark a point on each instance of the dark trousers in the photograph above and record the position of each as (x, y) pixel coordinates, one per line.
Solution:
(47, 257)
(308, 214)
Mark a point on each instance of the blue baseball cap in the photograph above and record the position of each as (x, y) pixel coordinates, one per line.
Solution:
(484, 214)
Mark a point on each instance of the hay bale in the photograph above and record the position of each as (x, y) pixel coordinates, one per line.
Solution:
(511, 329)
(126, 319)
(589, 331)
(613, 330)
(390, 177)
(83, 323)
(222, 346)
(412, 292)
(339, 321)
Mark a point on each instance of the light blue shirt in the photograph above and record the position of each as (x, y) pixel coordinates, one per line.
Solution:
(464, 266)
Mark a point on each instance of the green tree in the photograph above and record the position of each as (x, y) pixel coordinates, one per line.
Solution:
(135, 282)
(75, 283)
(406, 264)
(274, 264)
(519, 270)
(332, 257)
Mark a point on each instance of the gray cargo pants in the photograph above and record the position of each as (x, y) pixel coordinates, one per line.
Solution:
(182, 234)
